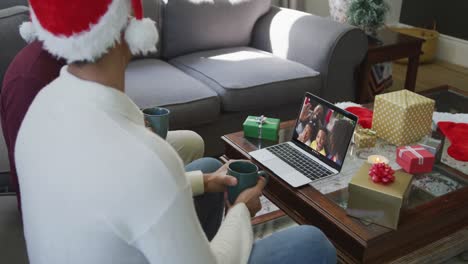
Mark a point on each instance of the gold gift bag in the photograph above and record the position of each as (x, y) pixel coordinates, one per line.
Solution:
(402, 117)
(364, 138)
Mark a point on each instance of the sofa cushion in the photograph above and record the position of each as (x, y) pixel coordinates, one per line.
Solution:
(250, 79)
(11, 42)
(152, 9)
(190, 25)
(153, 82)
(11, 3)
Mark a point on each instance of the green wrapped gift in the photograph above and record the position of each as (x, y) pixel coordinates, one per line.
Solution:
(261, 127)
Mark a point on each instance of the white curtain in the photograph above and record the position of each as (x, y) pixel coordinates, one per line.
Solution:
(293, 4)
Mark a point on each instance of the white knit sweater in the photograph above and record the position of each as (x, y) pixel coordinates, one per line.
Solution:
(98, 187)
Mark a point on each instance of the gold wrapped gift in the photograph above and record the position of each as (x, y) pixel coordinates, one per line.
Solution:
(402, 117)
(364, 138)
(377, 203)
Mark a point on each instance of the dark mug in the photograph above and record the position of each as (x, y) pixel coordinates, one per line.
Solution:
(158, 120)
(246, 174)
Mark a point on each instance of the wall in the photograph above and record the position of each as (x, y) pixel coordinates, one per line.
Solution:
(450, 20)
(449, 16)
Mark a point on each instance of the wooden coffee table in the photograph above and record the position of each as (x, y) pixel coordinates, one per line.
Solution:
(430, 226)
(448, 99)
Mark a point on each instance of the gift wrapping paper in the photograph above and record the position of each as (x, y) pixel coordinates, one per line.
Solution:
(402, 117)
(377, 203)
(261, 127)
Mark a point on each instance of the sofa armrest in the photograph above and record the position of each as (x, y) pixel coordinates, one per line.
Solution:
(331, 48)
(11, 42)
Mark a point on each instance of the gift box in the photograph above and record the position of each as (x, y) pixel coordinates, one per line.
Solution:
(433, 145)
(402, 117)
(261, 127)
(364, 138)
(415, 159)
(377, 203)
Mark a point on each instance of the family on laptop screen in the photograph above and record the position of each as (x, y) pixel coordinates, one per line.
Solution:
(324, 130)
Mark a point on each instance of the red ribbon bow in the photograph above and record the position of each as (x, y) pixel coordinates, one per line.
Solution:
(382, 173)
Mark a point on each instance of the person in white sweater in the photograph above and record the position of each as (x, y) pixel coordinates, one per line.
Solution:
(98, 187)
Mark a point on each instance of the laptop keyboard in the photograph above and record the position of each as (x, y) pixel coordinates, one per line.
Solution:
(298, 160)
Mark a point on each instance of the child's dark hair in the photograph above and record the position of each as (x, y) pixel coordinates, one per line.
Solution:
(323, 129)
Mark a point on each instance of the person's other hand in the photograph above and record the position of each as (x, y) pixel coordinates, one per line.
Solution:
(219, 180)
(251, 197)
(301, 137)
(148, 126)
(305, 113)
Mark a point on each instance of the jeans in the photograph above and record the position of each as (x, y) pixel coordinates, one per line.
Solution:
(300, 244)
(209, 206)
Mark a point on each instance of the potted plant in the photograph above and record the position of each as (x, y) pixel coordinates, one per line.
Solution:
(369, 15)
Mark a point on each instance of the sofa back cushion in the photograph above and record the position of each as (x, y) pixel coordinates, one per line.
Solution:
(196, 25)
(11, 3)
(152, 9)
(11, 42)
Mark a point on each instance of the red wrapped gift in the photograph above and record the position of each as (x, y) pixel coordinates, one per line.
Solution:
(415, 159)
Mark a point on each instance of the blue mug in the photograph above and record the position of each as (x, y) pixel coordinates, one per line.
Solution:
(158, 120)
(246, 174)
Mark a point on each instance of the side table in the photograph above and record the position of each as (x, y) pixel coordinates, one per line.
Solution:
(393, 46)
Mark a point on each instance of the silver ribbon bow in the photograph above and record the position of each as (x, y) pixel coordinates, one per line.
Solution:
(414, 151)
(260, 120)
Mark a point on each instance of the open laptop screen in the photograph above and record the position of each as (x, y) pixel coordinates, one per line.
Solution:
(324, 130)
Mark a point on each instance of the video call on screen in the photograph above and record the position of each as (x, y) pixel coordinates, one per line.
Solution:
(323, 130)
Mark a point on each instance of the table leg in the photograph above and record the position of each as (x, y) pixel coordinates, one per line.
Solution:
(412, 72)
(364, 94)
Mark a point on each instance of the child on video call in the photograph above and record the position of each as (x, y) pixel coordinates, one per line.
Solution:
(306, 135)
(320, 141)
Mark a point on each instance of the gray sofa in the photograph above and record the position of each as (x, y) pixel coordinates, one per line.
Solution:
(217, 63)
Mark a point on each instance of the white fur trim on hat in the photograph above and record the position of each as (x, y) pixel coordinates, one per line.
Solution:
(89, 45)
(27, 32)
(141, 36)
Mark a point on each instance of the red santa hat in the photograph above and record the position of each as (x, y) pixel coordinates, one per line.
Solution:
(84, 30)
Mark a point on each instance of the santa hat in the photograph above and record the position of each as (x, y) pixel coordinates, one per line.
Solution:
(84, 30)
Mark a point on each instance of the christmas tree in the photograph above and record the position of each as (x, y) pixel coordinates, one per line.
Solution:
(368, 15)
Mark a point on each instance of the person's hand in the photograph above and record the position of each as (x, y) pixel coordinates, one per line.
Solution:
(251, 197)
(219, 180)
(301, 137)
(305, 113)
(148, 126)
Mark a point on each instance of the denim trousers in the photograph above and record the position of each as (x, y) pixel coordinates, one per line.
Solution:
(300, 244)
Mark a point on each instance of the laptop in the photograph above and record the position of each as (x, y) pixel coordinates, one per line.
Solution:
(318, 146)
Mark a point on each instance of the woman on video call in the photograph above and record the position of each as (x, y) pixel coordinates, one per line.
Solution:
(338, 142)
